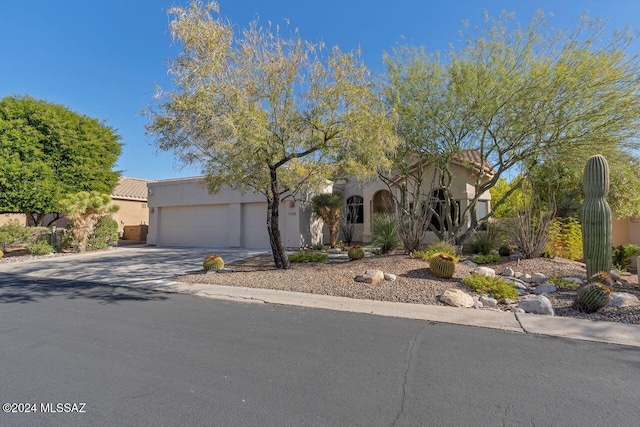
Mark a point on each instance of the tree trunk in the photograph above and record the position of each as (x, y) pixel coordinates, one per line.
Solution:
(273, 215)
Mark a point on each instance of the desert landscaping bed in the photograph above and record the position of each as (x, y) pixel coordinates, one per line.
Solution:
(414, 283)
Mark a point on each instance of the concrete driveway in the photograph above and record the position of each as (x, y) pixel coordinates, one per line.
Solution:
(124, 265)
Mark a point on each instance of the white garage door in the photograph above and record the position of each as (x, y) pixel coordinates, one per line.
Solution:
(200, 226)
(254, 226)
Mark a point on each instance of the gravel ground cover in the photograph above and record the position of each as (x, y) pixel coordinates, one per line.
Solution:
(414, 283)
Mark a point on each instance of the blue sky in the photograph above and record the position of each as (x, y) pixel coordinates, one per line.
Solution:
(103, 58)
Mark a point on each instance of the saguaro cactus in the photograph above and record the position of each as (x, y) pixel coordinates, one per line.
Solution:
(596, 216)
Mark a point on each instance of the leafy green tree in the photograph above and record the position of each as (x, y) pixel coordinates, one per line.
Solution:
(508, 208)
(266, 112)
(84, 210)
(516, 95)
(328, 206)
(47, 151)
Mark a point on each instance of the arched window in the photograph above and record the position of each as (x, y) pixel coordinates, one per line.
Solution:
(355, 210)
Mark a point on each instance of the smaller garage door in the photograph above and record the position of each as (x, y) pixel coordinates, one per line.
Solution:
(254, 226)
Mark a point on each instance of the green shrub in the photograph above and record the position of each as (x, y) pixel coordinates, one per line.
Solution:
(437, 248)
(486, 259)
(562, 283)
(13, 232)
(40, 248)
(384, 234)
(317, 247)
(565, 239)
(213, 262)
(104, 234)
(621, 254)
(491, 285)
(305, 256)
(480, 243)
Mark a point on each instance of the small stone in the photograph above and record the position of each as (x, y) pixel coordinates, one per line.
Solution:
(517, 310)
(516, 256)
(390, 277)
(538, 304)
(519, 284)
(538, 278)
(487, 301)
(525, 278)
(508, 272)
(507, 301)
(522, 291)
(546, 288)
(477, 304)
(469, 263)
(575, 280)
(456, 298)
(225, 270)
(484, 271)
(615, 275)
(623, 299)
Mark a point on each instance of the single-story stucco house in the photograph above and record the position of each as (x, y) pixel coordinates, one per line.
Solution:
(183, 213)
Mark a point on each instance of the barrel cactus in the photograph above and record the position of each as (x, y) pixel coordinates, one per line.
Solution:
(592, 297)
(596, 216)
(213, 262)
(442, 265)
(602, 277)
(355, 252)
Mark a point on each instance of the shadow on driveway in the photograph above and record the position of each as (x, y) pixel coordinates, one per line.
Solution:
(20, 289)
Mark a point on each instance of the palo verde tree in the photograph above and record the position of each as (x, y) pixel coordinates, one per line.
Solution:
(266, 112)
(84, 209)
(47, 151)
(328, 206)
(515, 96)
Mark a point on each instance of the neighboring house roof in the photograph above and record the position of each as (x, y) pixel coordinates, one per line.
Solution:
(467, 157)
(131, 189)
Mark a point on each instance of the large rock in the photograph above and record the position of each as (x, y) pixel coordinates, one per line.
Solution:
(547, 288)
(623, 299)
(456, 298)
(537, 304)
(484, 271)
(372, 277)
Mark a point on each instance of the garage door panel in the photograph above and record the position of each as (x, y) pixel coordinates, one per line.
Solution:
(199, 226)
(254, 226)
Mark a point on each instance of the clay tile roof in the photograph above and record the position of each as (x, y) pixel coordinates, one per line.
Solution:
(473, 157)
(131, 188)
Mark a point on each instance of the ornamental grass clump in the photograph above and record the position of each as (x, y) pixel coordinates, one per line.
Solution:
(213, 262)
(306, 256)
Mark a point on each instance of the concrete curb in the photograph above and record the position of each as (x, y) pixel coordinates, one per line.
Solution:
(580, 329)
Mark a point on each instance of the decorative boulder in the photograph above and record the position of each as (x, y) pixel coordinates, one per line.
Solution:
(390, 277)
(623, 299)
(508, 272)
(538, 278)
(546, 288)
(488, 302)
(456, 298)
(537, 305)
(372, 277)
(484, 271)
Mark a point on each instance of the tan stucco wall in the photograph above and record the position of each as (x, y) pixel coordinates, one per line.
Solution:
(5, 218)
(131, 212)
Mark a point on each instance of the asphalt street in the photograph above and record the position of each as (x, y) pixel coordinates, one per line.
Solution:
(141, 357)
